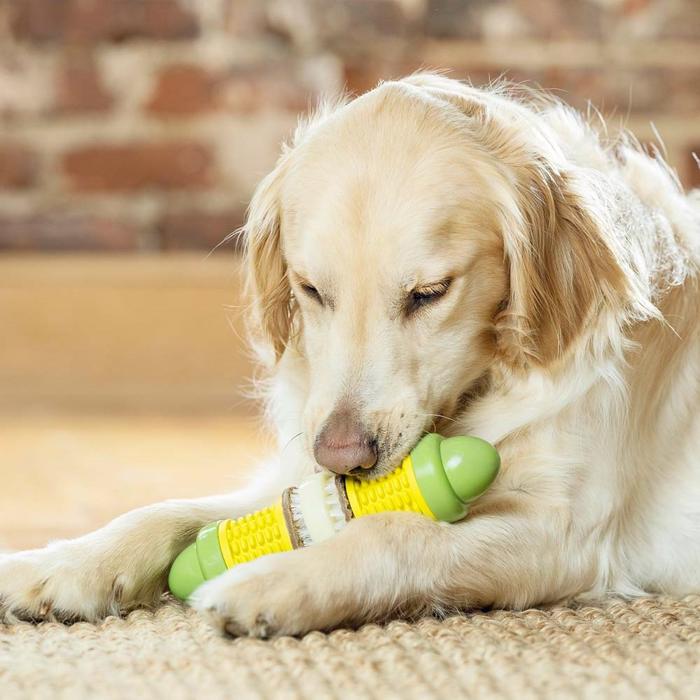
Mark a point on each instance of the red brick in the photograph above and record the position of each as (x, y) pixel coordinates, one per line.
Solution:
(18, 166)
(340, 24)
(626, 90)
(361, 76)
(252, 88)
(101, 20)
(634, 7)
(542, 19)
(63, 231)
(675, 20)
(453, 19)
(79, 87)
(183, 89)
(245, 18)
(196, 229)
(571, 19)
(375, 18)
(139, 166)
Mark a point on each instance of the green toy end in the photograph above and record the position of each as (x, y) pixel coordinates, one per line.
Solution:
(452, 472)
(471, 465)
(432, 480)
(185, 573)
(200, 562)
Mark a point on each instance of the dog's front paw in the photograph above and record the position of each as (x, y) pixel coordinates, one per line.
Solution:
(65, 582)
(280, 594)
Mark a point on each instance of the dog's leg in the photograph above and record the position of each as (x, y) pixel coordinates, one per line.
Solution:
(118, 567)
(395, 563)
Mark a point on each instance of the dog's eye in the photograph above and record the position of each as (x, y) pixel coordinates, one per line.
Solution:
(428, 294)
(311, 292)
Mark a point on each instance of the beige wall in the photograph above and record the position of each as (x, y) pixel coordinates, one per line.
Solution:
(114, 333)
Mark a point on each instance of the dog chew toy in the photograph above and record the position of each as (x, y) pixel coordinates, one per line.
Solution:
(439, 479)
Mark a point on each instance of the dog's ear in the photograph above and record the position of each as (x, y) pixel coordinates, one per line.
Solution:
(267, 281)
(562, 270)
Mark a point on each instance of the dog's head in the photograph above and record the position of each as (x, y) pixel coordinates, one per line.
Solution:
(408, 243)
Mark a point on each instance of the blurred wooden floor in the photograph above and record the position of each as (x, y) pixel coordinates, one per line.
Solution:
(122, 382)
(65, 475)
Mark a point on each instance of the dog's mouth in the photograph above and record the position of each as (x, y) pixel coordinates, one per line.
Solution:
(370, 474)
(391, 450)
(389, 457)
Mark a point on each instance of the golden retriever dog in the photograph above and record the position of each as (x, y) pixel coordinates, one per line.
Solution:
(434, 256)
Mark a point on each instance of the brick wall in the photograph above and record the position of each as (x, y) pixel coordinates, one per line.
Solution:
(144, 124)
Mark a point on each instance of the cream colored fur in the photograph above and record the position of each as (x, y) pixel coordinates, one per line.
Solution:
(568, 337)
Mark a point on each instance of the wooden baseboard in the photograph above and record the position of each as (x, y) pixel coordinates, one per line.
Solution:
(129, 333)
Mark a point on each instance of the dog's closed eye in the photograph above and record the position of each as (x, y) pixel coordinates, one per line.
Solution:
(311, 292)
(426, 294)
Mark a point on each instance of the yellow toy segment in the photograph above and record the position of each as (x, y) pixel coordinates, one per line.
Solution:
(249, 537)
(396, 491)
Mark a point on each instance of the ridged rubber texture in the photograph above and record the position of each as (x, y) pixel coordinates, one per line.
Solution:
(254, 535)
(395, 491)
(198, 563)
(433, 482)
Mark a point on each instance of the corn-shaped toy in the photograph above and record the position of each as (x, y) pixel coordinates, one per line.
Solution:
(439, 479)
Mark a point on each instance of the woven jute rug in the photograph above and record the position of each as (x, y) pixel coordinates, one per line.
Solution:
(645, 648)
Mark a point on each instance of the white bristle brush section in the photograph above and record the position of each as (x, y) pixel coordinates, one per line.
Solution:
(316, 508)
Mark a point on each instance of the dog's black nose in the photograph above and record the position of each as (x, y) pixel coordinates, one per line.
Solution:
(343, 444)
